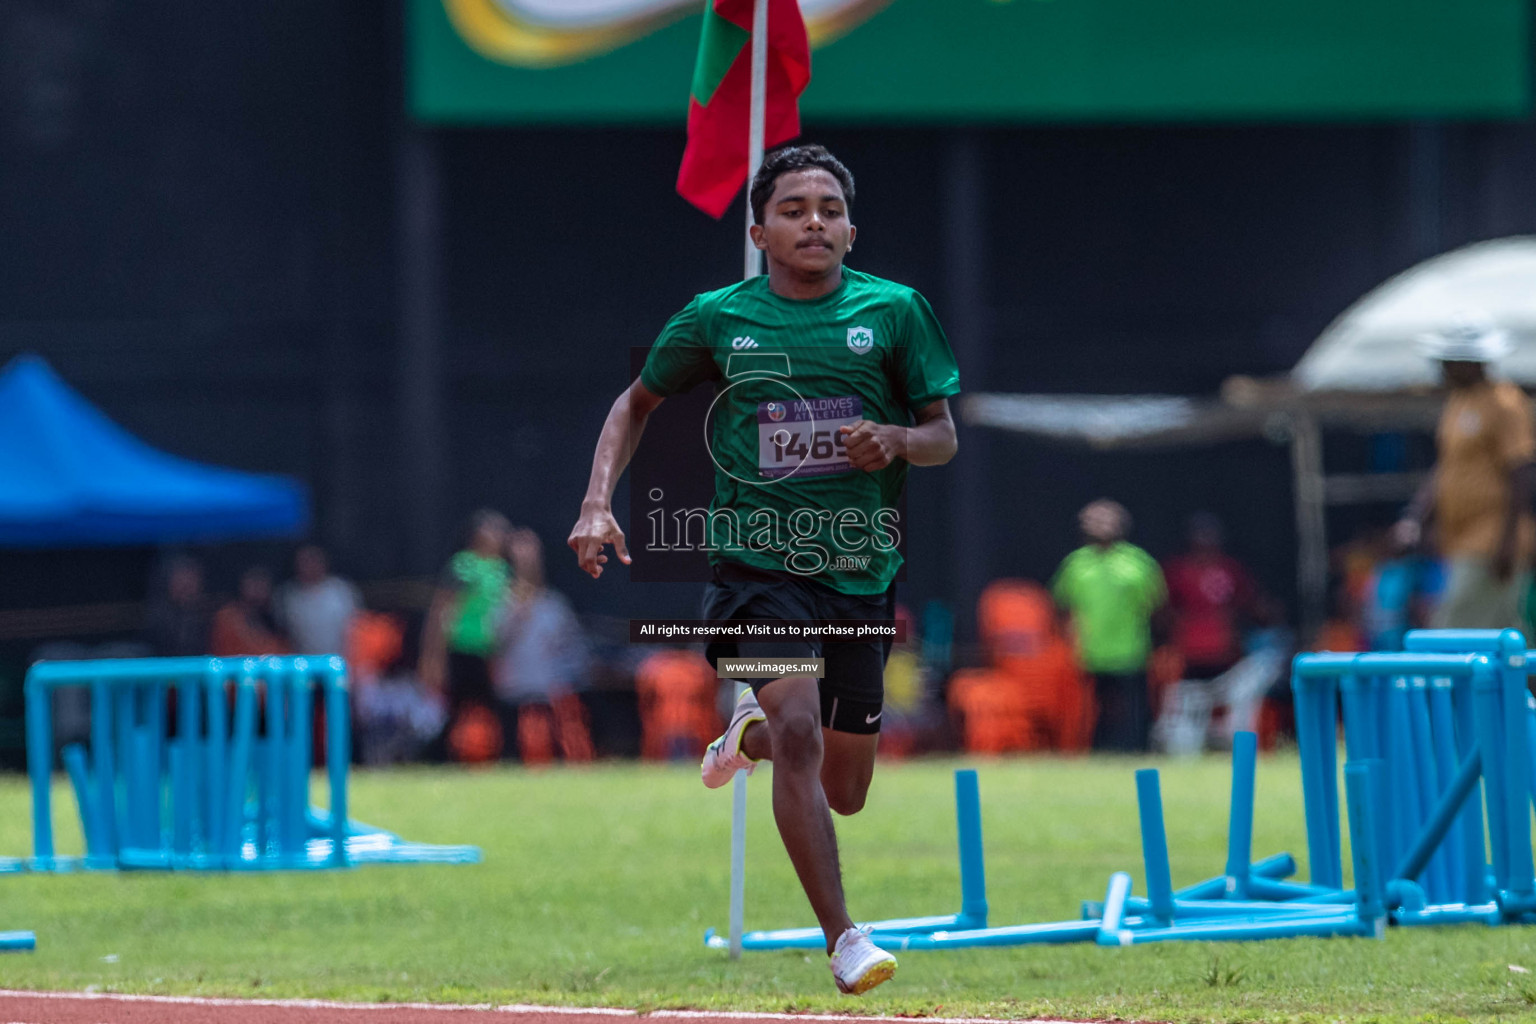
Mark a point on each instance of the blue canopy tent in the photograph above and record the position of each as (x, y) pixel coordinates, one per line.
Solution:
(70, 478)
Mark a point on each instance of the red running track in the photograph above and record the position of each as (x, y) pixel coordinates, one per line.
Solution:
(88, 1008)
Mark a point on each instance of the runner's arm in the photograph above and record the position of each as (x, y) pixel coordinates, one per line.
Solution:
(931, 442)
(616, 445)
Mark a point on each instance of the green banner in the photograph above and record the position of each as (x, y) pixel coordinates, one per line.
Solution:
(1009, 61)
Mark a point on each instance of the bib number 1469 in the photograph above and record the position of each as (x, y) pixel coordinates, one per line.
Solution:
(824, 444)
(803, 437)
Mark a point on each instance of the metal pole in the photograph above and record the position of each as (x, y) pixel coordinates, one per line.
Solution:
(966, 480)
(752, 266)
(1311, 523)
(419, 370)
(755, 127)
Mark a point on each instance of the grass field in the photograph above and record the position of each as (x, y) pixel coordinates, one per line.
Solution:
(598, 885)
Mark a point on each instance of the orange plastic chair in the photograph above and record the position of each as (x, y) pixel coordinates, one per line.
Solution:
(1019, 630)
(572, 729)
(994, 718)
(475, 736)
(677, 691)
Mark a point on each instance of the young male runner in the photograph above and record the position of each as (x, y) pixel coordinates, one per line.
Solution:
(829, 382)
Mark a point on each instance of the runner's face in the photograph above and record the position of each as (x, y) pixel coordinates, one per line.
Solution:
(805, 223)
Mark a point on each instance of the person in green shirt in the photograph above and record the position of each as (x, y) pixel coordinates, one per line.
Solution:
(829, 384)
(459, 634)
(1112, 589)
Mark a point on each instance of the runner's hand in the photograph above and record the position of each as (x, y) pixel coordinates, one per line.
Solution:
(592, 531)
(872, 446)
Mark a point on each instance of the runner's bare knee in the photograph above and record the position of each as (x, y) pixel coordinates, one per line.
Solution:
(796, 740)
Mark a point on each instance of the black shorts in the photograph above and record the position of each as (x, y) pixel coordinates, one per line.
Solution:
(853, 686)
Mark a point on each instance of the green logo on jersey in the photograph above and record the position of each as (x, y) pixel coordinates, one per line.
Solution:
(861, 339)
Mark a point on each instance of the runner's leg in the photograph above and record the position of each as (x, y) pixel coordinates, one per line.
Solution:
(852, 705)
(800, 808)
(847, 767)
(847, 763)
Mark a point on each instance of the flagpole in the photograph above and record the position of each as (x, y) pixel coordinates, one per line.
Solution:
(755, 126)
(752, 267)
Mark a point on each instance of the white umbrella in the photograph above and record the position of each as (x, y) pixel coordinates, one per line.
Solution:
(1375, 344)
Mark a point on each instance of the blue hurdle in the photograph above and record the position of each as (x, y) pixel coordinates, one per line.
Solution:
(1231, 918)
(227, 790)
(1449, 713)
(1422, 729)
(1440, 751)
(973, 889)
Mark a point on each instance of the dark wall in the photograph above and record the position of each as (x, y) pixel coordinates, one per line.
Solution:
(202, 206)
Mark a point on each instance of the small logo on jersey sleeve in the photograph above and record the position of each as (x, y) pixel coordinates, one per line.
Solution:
(861, 339)
(740, 343)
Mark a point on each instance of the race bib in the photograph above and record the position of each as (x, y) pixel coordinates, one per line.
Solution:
(802, 437)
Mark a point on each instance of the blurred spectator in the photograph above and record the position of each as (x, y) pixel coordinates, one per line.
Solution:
(375, 644)
(1340, 632)
(1479, 497)
(1353, 564)
(676, 690)
(247, 625)
(459, 635)
(1211, 599)
(1381, 593)
(1197, 712)
(910, 718)
(1111, 589)
(541, 663)
(395, 717)
(1020, 632)
(180, 615)
(1400, 595)
(316, 608)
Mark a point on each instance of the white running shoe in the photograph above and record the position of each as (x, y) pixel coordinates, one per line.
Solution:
(858, 965)
(723, 758)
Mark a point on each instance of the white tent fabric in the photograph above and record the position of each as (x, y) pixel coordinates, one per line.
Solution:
(1098, 419)
(1374, 345)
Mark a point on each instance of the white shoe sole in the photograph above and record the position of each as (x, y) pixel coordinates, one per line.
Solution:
(876, 975)
(750, 764)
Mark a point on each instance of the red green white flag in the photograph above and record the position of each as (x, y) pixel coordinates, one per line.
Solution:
(715, 161)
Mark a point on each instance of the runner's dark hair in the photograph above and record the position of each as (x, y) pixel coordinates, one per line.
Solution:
(787, 160)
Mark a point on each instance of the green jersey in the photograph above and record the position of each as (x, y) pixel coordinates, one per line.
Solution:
(481, 585)
(788, 373)
(1111, 593)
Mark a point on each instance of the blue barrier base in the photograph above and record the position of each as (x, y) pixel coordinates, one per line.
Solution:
(812, 938)
(319, 855)
(365, 845)
(973, 891)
